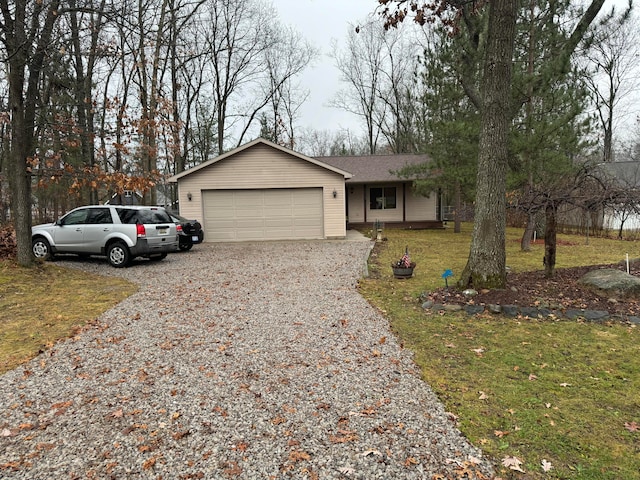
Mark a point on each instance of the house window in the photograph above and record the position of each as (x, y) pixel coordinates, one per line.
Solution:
(382, 198)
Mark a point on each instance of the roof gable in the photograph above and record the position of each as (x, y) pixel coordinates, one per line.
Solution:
(260, 141)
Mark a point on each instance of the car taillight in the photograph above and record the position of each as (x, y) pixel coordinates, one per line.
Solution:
(140, 231)
(178, 228)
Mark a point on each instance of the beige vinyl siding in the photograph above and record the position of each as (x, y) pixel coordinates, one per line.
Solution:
(261, 167)
(419, 208)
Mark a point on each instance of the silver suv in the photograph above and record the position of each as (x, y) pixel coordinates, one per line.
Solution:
(119, 232)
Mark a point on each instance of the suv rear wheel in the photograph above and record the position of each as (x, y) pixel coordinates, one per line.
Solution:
(118, 255)
(41, 248)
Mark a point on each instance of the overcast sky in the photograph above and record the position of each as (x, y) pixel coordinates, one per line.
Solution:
(320, 21)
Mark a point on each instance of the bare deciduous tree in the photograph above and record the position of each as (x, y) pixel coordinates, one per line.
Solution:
(26, 32)
(613, 59)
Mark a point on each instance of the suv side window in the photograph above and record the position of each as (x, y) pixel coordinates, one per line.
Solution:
(127, 215)
(78, 217)
(144, 216)
(99, 216)
(154, 216)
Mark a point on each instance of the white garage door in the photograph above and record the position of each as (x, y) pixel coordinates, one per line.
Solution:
(277, 214)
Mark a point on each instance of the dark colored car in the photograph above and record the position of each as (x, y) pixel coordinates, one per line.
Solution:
(191, 233)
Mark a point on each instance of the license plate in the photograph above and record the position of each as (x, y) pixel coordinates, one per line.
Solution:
(194, 238)
(163, 230)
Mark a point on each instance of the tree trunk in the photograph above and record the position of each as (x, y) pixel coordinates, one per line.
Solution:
(486, 266)
(25, 65)
(457, 202)
(20, 185)
(550, 234)
(621, 229)
(525, 241)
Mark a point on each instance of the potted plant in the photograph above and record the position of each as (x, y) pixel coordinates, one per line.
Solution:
(403, 268)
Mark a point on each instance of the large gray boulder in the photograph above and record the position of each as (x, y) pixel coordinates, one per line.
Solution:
(612, 283)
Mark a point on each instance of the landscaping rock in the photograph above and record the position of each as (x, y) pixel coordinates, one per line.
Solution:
(495, 309)
(473, 309)
(545, 312)
(510, 310)
(573, 313)
(596, 315)
(531, 312)
(612, 284)
(452, 308)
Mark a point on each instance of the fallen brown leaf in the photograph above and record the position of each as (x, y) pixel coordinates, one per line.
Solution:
(299, 456)
(632, 426)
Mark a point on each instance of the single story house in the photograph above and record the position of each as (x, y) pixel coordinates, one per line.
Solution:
(263, 191)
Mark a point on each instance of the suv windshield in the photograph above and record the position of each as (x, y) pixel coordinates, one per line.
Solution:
(144, 216)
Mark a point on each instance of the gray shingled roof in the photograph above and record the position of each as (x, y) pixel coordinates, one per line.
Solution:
(373, 168)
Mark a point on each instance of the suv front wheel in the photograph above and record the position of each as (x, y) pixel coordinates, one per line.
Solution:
(118, 255)
(41, 248)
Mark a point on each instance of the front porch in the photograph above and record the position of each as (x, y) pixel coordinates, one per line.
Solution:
(409, 225)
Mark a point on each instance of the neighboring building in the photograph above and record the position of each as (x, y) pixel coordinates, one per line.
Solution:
(263, 191)
(627, 174)
(623, 178)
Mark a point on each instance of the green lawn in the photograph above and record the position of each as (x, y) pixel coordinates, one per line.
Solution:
(561, 396)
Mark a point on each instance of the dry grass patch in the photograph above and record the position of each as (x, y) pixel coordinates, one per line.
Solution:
(45, 303)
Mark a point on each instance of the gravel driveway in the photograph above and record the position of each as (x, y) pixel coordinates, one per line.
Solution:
(256, 360)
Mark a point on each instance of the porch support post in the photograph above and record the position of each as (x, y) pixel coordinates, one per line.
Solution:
(364, 201)
(404, 202)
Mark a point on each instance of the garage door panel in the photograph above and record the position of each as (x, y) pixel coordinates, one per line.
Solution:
(300, 211)
(248, 213)
(284, 222)
(248, 198)
(255, 223)
(226, 224)
(233, 215)
(305, 222)
(224, 212)
(277, 198)
(282, 213)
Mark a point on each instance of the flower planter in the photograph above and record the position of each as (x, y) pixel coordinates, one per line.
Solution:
(403, 272)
